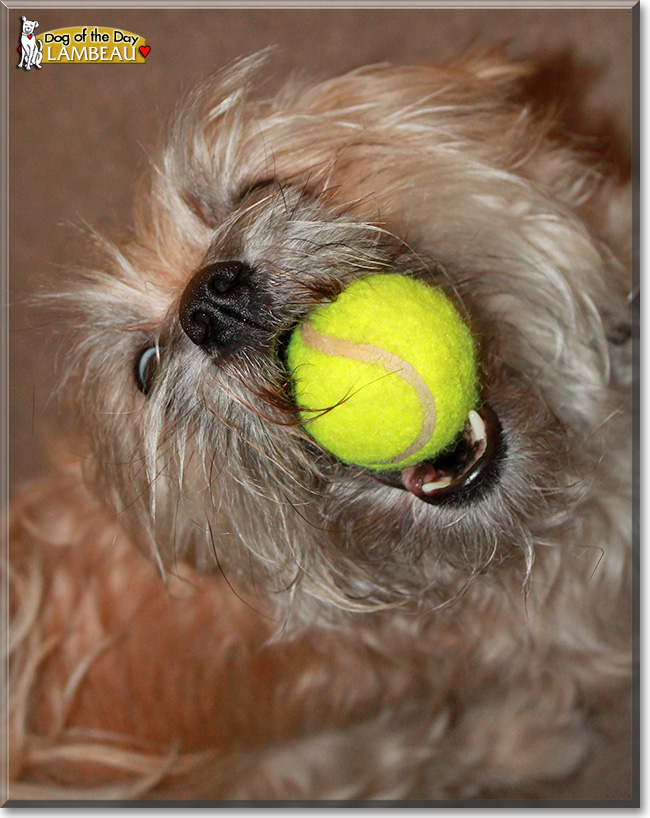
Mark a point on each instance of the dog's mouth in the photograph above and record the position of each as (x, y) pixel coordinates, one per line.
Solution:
(464, 471)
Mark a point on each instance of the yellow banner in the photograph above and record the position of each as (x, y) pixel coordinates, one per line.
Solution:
(88, 44)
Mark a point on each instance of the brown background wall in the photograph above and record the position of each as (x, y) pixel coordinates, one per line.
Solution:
(79, 137)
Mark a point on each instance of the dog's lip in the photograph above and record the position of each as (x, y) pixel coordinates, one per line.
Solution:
(462, 470)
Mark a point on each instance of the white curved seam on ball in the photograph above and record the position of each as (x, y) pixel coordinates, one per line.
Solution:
(369, 353)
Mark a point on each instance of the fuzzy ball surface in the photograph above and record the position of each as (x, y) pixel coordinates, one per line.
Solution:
(384, 376)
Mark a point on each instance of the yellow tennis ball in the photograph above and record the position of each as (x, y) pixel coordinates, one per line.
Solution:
(385, 376)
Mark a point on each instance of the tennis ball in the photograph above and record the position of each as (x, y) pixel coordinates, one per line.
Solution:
(384, 376)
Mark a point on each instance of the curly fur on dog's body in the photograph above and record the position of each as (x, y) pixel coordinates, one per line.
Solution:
(322, 635)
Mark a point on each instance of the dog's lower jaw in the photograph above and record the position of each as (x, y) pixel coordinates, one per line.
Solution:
(462, 473)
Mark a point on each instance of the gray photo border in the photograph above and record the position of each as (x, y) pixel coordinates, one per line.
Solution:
(635, 6)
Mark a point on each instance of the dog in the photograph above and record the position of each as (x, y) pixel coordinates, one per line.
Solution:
(205, 604)
(31, 49)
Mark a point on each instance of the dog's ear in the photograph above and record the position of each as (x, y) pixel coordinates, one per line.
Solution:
(35, 23)
(24, 19)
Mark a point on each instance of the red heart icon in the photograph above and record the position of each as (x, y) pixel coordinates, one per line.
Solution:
(29, 36)
(20, 49)
(144, 50)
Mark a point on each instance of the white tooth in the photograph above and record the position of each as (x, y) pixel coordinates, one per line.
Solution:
(438, 484)
(478, 426)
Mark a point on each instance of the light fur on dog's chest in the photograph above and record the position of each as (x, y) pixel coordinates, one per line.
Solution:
(424, 704)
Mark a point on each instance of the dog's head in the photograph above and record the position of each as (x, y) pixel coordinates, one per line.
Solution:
(260, 209)
(28, 26)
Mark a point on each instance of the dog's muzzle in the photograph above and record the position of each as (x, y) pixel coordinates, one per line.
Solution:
(220, 306)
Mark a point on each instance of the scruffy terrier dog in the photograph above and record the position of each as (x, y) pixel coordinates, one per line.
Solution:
(319, 633)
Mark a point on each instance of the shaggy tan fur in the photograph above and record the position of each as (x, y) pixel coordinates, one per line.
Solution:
(208, 606)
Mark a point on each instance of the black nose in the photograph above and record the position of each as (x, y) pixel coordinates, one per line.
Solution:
(219, 306)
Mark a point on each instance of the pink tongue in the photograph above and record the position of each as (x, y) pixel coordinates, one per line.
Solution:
(414, 477)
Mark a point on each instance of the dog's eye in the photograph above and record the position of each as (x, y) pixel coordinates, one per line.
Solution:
(147, 365)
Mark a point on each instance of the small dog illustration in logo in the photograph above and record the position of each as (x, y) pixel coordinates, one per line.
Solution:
(31, 49)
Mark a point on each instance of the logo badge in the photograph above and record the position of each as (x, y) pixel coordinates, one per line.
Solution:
(79, 44)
